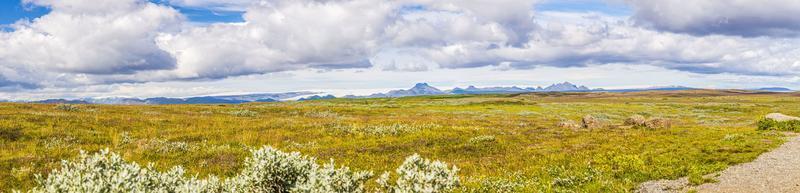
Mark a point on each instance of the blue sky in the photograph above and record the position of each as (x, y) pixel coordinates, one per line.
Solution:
(147, 48)
(13, 10)
(618, 9)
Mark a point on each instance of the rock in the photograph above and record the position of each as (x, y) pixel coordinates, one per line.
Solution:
(781, 117)
(568, 124)
(591, 122)
(658, 123)
(636, 121)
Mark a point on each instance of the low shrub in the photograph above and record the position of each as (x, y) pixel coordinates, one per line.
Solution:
(67, 107)
(482, 139)
(322, 114)
(421, 175)
(267, 170)
(108, 172)
(243, 113)
(384, 129)
(770, 124)
(10, 133)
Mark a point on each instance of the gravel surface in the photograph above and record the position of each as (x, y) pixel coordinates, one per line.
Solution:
(774, 171)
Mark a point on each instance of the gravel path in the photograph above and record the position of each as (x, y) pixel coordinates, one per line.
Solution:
(774, 171)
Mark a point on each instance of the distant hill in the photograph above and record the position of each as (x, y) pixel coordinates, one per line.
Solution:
(316, 97)
(62, 101)
(775, 89)
(663, 88)
(564, 87)
(419, 89)
(560, 87)
(227, 99)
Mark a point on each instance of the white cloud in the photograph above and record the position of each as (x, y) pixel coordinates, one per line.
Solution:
(730, 17)
(87, 38)
(96, 43)
(279, 36)
(580, 39)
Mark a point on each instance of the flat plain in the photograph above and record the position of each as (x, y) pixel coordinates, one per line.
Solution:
(514, 143)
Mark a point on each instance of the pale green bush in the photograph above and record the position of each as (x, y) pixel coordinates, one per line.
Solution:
(243, 113)
(421, 175)
(108, 172)
(482, 139)
(329, 179)
(267, 170)
(270, 170)
(385, 130)
(67, 107)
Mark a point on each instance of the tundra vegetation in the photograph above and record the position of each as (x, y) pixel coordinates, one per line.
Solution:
(543, 142)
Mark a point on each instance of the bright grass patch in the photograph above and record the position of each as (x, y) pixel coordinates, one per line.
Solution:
(513, 143)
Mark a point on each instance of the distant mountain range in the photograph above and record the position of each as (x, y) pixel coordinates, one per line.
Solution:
(774, 89)
(316, 97)
(560, 87)
(227, 99)
(420, 89)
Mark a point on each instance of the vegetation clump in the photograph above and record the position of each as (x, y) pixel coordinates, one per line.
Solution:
(771, 124)
(267, 170)
(421, 175)
(67, 107)
(244, 113)
(482, 139)
(383, 129)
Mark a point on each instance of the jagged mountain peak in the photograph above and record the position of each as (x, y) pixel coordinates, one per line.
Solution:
(565, 86)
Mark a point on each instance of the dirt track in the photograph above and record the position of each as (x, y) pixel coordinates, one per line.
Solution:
(774, 171)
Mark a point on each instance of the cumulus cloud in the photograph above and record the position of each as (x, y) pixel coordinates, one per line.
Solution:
(289, 35)
(729, 17)
(580, 39)
(82, 37)
(86, 42)
(283, 35)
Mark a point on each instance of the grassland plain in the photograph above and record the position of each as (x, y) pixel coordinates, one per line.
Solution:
(500, 142)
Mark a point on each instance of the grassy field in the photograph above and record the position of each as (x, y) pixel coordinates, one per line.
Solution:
(500, 142)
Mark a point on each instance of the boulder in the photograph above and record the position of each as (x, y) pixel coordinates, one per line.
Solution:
(568, 124)
(658, 123)
(636, 121)
(591, 122)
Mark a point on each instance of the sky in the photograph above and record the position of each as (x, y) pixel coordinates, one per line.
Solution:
(181, 48)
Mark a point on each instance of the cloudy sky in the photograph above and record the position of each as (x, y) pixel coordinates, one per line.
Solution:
(143, 48)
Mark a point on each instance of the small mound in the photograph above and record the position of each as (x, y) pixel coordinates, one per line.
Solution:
(779, 122)
(781, 117)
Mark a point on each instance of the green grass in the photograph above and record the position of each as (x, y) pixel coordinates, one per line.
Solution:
(508, 142)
